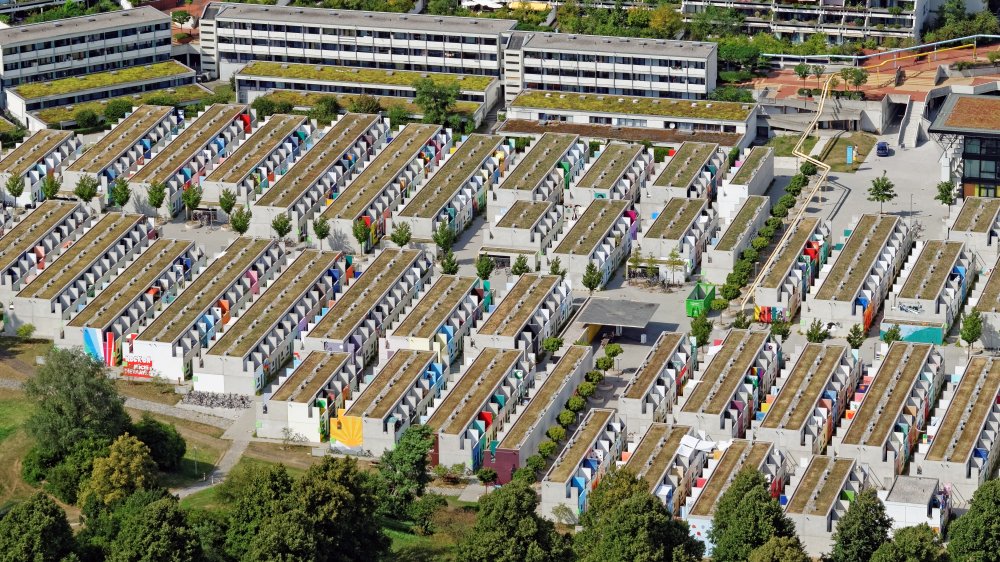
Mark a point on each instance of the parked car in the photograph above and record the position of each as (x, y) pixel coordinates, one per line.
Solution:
(882, 149)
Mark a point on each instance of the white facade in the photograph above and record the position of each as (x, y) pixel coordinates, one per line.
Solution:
(44, 152)
(729, 242)
(651, 395)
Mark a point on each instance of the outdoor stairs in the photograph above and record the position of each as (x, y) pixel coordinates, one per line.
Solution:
(911, 134)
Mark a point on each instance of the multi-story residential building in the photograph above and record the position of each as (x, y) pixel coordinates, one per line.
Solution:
(987, 302)
(601, 236)
(752, 174)
(821, 497)
(522, 437)
(43, 153)
(669, 469)
(794, 266)
(234, 34)
(728, 244)
(28, 243)
(915, 500)
(683, 226)
(528, 228)
(967, 126)
(652, 393)
(618, 171)
(543, 172)
(933, 284)
(978, 225)
(894, 409)
(693, 171)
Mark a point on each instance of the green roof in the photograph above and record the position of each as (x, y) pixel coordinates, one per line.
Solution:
(188, 93)
(593, 226)
(685, 164)
(750, 165)
(304, 99)
(678, 214)
(610, 165)
(538, 162)
(740, 222)
(252, 151)
(362, 75)
(856, 259)
(451, 176)
(98, 80)
(610, 103)
(524, 214)
(120, 139)
(33, 150)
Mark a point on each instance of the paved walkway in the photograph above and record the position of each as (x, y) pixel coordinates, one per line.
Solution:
(174, 411)
(218, 476)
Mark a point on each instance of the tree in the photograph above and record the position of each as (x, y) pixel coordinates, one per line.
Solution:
(552, 344)
(919, 543)
(701, 328)
(104, 524)
(444, 237)
(547, 448)
(264, 107)
(63, 479)
(180, 17)
(14, 187)
(881, 191)
(156, 194)
(817, 332)
(555, 268)
(86, 188)
(780, 549)
(817, 71)
(675, 264)
(859, 77)
(945, 193)
(635, 261)
(25, 331)
(856, 336)
(746, 517)
(893, 334)
(556, 433)
(321, 228)
(449, 265)
(520, 266)
(158, 533)
(742, 321)
(51, 186)
(604, 363)
(972, 328)
(281, 225)
(403, 470)
(576, 404)
(401, 234)
(862, 530)
(781, 329)
(364, 103)
(592, 277)
(327, 107)
(508, 529)
(443, 7)
(398, 114)
(240, 220)
(652, 267)
(288, 537)
(808, 169)
(227, 200)
(586, 390)
(436, 101)
(191, 197)
(86, 118)
(802, 70)
(36, 529)
(257, 492)
(121, 193)
(488, 476)
(166, 446)
(484, 267)
(976, 535)
(116, 109)
(566, 418)
(128, 468)
(422, 511)
(613, 350)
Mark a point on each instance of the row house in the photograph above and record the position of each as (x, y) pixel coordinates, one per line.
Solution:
(692, 171)
(732, 385)
(168, 346)
(987, 302)
(751, 174)
(918, 500)
(440, 319)
(528, 228)
(44, 153)
(808, 401)
(119, 307)
(891, 410)
(649, 397)
(543, 173)
(926, 302)
(618, 171)
(187, 157)
(456, 193)
(783, 286)
(602, 236)
(728, 245)
(39, 234)
(978, 225)
(477, 407)
(377, 191)
(963, 430)
(330, 161)
(593, 449)
(821, 496)
(683, 226)
(669, 460)
(67, 283)
(244, 358)
(355, 322)
(853, 288)
(522, 437)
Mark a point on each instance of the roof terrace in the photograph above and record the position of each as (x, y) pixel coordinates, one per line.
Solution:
(389, 385)
(740, 222)
(452, 176)
(786, 255)
(593, 226)
(740, 454)
(23, 158)
(978, 214)
(820, 486)
(970, 405)
(120, 139)
(581, 444)
(804, 385)
(934, 265)
(677, 217)
(518, 306)
(685, 164)
(610, 166)
(524, 214)
(538, 162)
(26, 233)
(309, 377)
(256, 148)
(434, 308)
(725, 372)
(856, 259)
(652, 366)
(656, 450)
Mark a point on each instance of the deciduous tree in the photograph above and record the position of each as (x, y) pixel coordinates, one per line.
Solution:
(401, 234)
(449, 265)
(321, 228)
(191, 197)
(856, 336)
(917, 544)
(520, 266)
(436, 101)
(259, 492)
(975, 536)
(158, 533)
(127, 468)
(156, 194)
(893, 334)
(166, 446)
(444, 237)
(591, 277)
(14, 187)
(403, 471)
(817, 332)
(281, 225)
(121, 193)
(484, 267)
(227, 200)
(746, 517)
(288, 537)
(862, 530)
(36, 530)
(240, 220)
(972, 328)
(881, 191)
(86, 188)
(780, 549)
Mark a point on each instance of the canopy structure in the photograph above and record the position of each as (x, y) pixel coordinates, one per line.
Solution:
(615, 312)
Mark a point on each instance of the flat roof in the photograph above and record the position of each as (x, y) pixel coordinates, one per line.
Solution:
(603, 132)
(538, 162)
(914, 490)
(524, 214)
(120, 139)
(786, 255)
(750, 166)
(812, 372)
(740, 222)
(970, 405)
(64, 270)
(968, 113)
(634, 105)
(978, 214)
(101, 80)
(253, 150)
(863, 247)
(823, 480)
(656, 452)
(205, 290)
(581, 444)
(676, 218)
(593, 226)
(473, 389)
(452, 176)
(398, 375)
(685, 164)
(81, 25)
(575, 43)
(725, 372)
(272, 305)
(664, 348)
(617, 312)
(435, 307)
(356, 302)
(542, 398)
(873, 421)
(355, 75)
(518, 305)
(732, 461)
(309, 376)
(33, 227)
(34, 149)
(114, 301)
(989, 301)
(191, 140)
(358, 195)
(934, 264)
(317, 160)
(610, 165)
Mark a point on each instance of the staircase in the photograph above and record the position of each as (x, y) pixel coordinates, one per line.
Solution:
(911, 125)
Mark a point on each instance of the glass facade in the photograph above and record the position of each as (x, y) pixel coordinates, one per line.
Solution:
(981, 164)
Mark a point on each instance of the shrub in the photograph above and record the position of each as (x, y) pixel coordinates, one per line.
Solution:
(535, 463)
(586, 389)
(116, 109)
(576, 404)
(594, 376)
(86, 118)
(805, 92)
(547, 448)
(759, 243)
(556, 433)
(750, 254)
(767, 232)
(728, 291)
(787, 200)
(774, 223)
(719, 305)
(794, 190)
(779, 210)
(566, 418)
(808, 169)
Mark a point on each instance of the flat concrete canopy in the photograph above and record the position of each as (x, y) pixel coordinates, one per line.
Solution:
(615, 312)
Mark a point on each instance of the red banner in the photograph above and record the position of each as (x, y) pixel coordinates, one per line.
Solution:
(138, 369)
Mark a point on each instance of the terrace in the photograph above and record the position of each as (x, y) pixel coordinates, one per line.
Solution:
(804, 385)
(653, 365)
(677, 217)
(467, 404)
(352, 75)
(610, 166)
(970, 405)
(538, 162)
(310, 376)
(934, 265)
(593, 226)
(740, 223)
(432, 309)
(685, 164)
(524, 214)
(723, 375)
(26, 234)
(23, 158)
(387, 386)
(100, 80)
(383, 169)
(728, 465)
(866, 242)
(787, 254)
(820, 485)
(609, 103)
(582, 443)
(750, 165)
(313, 164)
(253, 150)
(978, 214)
(655, 452)
(517, 307)
(120, 139)
(451, 177)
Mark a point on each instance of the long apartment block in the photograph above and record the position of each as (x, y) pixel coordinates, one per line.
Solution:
(392, 175)
(731, 387)
(399, 395)
(987, 302)
(729, 243)
(29, 242)
(618, 171)
(820, 499)
(522, 437)
(478, 406)
(44, 152)
(183, 160)
(683, 226)
(534, 308)
(808, 401)
(440, 319)
(341, 151)
(528, 228)
(652, 392)
(891, 410)
(274, 146)
(751, 174)
(64, 287)
(246, 356)
(593, 449)
(121, 306)
(169, 345)
(926, 300)
(794, 266)
(543, 173)
(457, 190)
(978, 225)
(668, 465)
(127, 145)
(371, 304)
(853, 288)
(693, 171)
(963, 430)
(602, 236)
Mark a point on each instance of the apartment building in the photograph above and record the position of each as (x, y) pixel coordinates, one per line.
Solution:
(820, 499)
(977, 224)
(543, 173)
(729, 243)
(794, 267)
(649, 397)
(601, 236)
(683, 226)
(916, 500)
(522, 437)
(693, 171)
(666, 461)
(534, 308)
(891, 410)
(44, 152)
(27, 244)
(528, 228)
(987, 302)
(752, 174)
(926, 301)
(617, 171)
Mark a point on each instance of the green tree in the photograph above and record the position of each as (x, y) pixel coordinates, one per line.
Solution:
(264, 107)
(444, 7)
(401, 234)
(881, 191)
(327, 107)
(675, 264)
(893, 334)
(128, 468)
(520, 266)
(104, 524)
(859, 77)
(912, 544)
(613, 350)
(364, 103)
(86, 188)
(227, 200)
(555, 268)
(552, 344)
(746, 517)
(37, 530)
(487, 476)
(258, 493)
(403, 470)
(281, 225)
(159, 533)
(586, 390)
(780, 549)
(665, 21)
(856, 337)
(180, 17)
(86, 118)
(436, 101)
(121, 193)
(566, 418)
(556, 433)
(191, 197)
(701, 328)
(604, 363)
(817, 71)
(781, 329)
(547, 448)
(156, 194)
(945, 193)
(210, 527)
(576, 404)
(975, 536)
(422, 512)
(116, 109)
(444, 237)
(240, 220)
(449, 265)
(972, 328)
(862, 530)
(802, 70)
(398, 114)
(742, 321)
(288, 537)
(591, 277)
(14, 187)
(484, 267)
(63, 480)
(321, 228)
(51, 186)
(166, 446)
(25, 331)
(817, 332)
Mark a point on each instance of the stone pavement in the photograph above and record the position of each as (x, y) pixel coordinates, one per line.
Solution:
(174, 411)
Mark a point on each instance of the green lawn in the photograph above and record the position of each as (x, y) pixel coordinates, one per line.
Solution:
(835, 152)
(14, 412)
(205, 499)
(783, 144)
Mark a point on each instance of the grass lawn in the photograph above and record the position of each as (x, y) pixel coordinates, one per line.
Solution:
(783, 144)
(835, 153)
(293, 456)
(206, 499)
(154, 391)
(204, 449)
(14, 443)
(17, 357)
(451, 525)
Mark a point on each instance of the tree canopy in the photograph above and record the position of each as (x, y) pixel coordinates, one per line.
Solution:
(37, 530)
(746, 517)
(862, 530)
(975, 535)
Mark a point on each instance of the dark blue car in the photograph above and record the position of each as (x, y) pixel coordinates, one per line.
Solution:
(882, 149)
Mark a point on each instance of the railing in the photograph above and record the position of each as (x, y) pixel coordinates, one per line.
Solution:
(859, 60)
